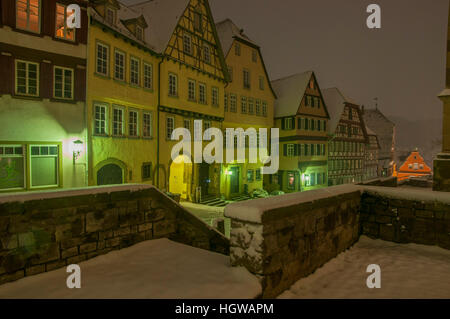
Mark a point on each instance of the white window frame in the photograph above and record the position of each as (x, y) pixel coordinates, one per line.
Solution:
(136, 123)
(97, 59)
(65, 23)
(106, 120)
(150, 124)
(63, 83)
(170, 126)
(134, 72)
(118, 66)
(27, 78)
(214, 96)
(174, 85)
(187, 44)
(243, 104)
(139, 33)
(108, 10)
(207, 53)
(122, 122)
(202, 96)
(36, 156)
(148, 76)
(23, 156)
(233, 103)
(290, 150)
(192, 90)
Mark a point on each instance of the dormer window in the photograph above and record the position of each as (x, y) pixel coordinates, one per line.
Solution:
(110, 16)
(139, 33)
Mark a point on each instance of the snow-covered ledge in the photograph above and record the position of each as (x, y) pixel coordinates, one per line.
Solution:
(284, 238)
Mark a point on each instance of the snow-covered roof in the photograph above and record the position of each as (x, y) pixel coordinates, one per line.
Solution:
(162, 17)
(369, 131)
(227, 32)
(335, 102)
(290, 91)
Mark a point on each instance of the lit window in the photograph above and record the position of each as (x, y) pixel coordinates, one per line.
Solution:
(62, 31)
(102, 59)
(117, 121)
(63, 83)
(28, 14)
(100, 119)
(44, 165)
(148, 76)
(27, 78)
(147, 124)
(119, 65)
(133, 123)
(134, 71)
(173, 85)
(202, 93)
(170, 124)
(12, 167)
(291, 180)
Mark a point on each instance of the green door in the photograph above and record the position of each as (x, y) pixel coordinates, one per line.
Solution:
(234, 180)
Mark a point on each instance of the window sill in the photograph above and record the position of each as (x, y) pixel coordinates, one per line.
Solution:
(102, 76)
(70, 101)
(173, 96)
(73, 42)
(101, 135)
(27, 97)
(136, 86)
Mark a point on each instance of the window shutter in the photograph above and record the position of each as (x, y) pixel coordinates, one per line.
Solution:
(295, 150)
(46, 80)
(293, 122)
(285, 149)
(283, 124)
(80, 84)
(299, 123)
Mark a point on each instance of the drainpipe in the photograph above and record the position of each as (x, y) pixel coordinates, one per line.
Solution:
(157, 121)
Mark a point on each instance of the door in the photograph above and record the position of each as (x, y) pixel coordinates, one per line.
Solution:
(204, 179)
(234, 180)
(110, 174)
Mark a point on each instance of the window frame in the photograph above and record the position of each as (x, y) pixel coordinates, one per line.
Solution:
(175, 77)
(215, 96)
(106, 128)
(58, 163)
(129, 123)
(187, 44)
(133, 58)
(65, 24)
(167, 127)
(97, 45)
(149, 77)
(27, 63)
(202, 98)
(120, 52)
(150, 113)
(24, 157)
(72, 86)
(192, 88)
(28, 16)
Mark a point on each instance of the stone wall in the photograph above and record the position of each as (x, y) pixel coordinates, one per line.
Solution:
(441, 172)
(285, 238)
(42, 231)
(382, 181)
(406, 216)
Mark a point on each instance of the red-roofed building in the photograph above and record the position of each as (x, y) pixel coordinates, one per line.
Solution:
(414, 166)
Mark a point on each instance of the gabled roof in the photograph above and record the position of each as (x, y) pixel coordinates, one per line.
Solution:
(290, 91)
(335, 102)
(376, 114)
(162, 16)
(369, 131)
(228, 31)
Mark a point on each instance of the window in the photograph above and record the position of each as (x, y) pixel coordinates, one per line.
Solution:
(146, 171)
(318, 149)
(319, 179)
(306, 149)
(258, 107)
(261, 83)
(147, 124)
(63, 83)
(27, 75)
(133, 123)
(148, 76)
(264, 108)
(207, 125)
(233, 102)
(44, 165)
(313, 179)
(119, 65)
(317, 102)
(139, 33)
(191, 90)
(225, 102)
(243, 104)
(416, 166)
(215, 96)
(246, 75)
(28, 15)
(249, 175)
(288, 125)
(198, 21)
(62, 31)
(173, 85)
(257, 174)
(250, 106)
(254, 56)
(202, 93)
(312, 149)
(421, 166)
(290, 150)
(12, 167)
(187, 44)
(237, 49)
(313, 122)
(230, 72)
(110, 16)
(306, 124)
(100, 119)
(134, 71)
(170, 124)
(187, 124)
(206, 54)
(118, 121)
(102, 59)
(319, 125)
(291, 180)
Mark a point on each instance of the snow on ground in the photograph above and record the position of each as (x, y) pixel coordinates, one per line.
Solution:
(157, 268)
(407, 271)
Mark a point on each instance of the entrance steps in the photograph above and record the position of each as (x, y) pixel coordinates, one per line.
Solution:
(212, 200)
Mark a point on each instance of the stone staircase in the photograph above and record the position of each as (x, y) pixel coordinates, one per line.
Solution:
(212, 200)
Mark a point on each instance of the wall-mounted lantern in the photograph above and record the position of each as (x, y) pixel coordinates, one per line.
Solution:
(77, 149)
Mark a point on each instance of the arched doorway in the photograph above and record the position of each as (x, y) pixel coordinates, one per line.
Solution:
(110, 174)
(180, 174)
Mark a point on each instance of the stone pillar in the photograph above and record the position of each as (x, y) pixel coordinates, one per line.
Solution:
(441, 165)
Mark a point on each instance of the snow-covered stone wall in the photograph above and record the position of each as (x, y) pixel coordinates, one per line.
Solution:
(284, 238)
(406, 215)
(42, 231)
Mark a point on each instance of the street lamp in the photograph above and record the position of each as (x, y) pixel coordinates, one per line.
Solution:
(77, 149)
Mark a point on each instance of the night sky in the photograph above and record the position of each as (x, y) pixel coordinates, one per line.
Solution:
(403, 63)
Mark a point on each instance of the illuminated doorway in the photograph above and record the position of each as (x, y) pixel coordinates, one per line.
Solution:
(179, 176)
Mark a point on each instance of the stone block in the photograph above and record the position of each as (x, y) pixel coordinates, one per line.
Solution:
(55, 265)
(76, 259)
(34, 270)
(122, 231)
(12, 276)
(424, 214)
(86, 248)
(163, 228)
(70, 252)
(387, 232)
(144, 227)
(155, 215)
(112, 242)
